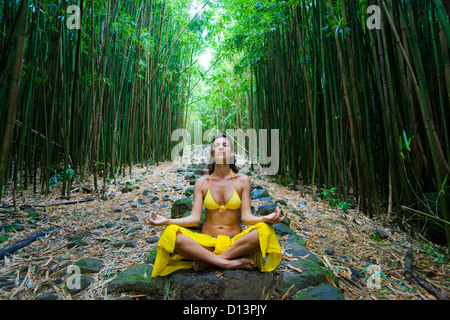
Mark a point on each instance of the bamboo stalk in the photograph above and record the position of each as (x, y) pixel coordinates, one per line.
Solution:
(12, 107)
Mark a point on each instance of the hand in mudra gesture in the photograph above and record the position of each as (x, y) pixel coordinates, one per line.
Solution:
(275, 217)
(154, 219)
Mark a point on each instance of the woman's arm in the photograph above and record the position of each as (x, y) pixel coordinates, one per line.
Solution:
(246, 212)
(190, 221)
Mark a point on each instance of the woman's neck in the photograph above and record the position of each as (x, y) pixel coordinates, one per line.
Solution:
(221, 170)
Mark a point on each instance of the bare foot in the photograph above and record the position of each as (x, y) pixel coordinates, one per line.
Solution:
(239, 264)
(198, 265)
(235, 264)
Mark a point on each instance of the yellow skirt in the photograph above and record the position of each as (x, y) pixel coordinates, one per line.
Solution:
(167, 261)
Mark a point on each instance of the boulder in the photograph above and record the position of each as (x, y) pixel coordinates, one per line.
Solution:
(220, 285)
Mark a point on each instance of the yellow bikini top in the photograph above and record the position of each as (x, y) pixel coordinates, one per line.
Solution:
(233, 203)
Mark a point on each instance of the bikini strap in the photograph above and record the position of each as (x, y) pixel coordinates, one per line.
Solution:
(232, 176)
(210, 180)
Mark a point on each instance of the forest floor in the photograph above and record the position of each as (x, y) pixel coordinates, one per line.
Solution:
(346, 243)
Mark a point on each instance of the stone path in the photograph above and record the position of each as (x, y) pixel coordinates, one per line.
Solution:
(107, 240)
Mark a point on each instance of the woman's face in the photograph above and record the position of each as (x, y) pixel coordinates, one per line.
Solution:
(221, 151)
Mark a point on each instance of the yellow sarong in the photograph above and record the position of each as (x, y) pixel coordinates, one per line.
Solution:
(168, 261)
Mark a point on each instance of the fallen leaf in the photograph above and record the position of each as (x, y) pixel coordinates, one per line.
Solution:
(287, 292)
(295, 268)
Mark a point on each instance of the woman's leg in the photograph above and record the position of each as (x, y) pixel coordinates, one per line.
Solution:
(245, 246)
(201, 257)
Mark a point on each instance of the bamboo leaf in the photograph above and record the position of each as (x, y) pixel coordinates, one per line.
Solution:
(443, 184)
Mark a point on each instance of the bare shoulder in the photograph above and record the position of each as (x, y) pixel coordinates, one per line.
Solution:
(243, 180)
(201, 183)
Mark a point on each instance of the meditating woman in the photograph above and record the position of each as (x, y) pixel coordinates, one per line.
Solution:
(221, 243)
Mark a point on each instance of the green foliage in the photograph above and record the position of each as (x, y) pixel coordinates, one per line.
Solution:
(406, 145)
(98, 102)
(330, 196)
(235, 33)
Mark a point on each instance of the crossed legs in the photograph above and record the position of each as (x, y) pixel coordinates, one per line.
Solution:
(232, 258)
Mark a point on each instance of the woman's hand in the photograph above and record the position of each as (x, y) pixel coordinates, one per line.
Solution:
(275, 217)
(154, 219)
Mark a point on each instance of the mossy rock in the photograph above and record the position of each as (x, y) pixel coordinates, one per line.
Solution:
(77, 243)
(194, 166)
(189, 191)
(312, 275)
(85, 281)
(138, 278)
(181, 206)
(89, 265)
(266, 209)
(295, 247)
(282, 229)
(128, 187)
(321, 292)
(216, 284)
(189, 175)
(312, 268)
(8, 227)
(295, 239)
(33, 215)
(259, 193)
(4, 238)
(152, 256)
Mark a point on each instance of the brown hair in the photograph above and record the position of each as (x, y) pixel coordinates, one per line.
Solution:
(211, 159)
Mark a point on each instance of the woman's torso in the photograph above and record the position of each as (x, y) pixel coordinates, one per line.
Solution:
(222, 221)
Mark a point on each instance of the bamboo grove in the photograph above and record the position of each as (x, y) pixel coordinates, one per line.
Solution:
(362, 109)
(94, 99)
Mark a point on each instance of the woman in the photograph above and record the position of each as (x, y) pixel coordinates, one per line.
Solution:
(222, 243)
